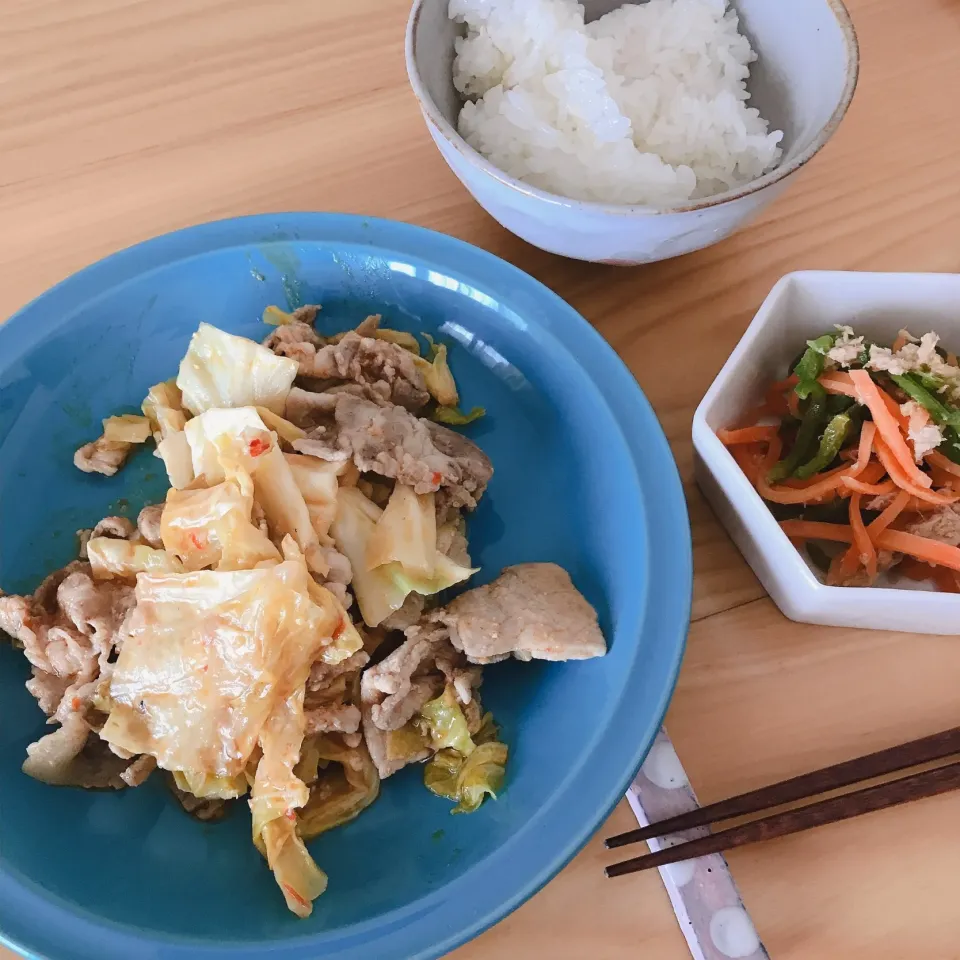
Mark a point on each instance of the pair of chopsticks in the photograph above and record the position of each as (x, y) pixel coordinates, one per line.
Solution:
(900, 759)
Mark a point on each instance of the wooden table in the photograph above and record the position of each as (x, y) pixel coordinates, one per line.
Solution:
(121, 119)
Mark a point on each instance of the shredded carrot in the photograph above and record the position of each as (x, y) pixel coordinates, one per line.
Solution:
(922, 548)
(758, 434)
(867, 435)
(894, 468)
(946, 580)
(936, 459)
(899, 343)
(888, 429)
(793, 405)
(817, 530)
(838, 382)
(864, 550)
(749, 457)
(873, 472)
(941, 478)
(817, 478)
(781, 493)
(840, 568)
(889, 514)
(870, 489)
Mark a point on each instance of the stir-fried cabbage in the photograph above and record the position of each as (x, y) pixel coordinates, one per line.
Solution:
(455, 417)
(342, 790)
(174, 451)
(446, 723)
(276, 796)
(276, 317)
(282, 428)
(383, 589)
(400, 337)
(406, 533)
(377, 594)
(437, 376)
(227, 439)
(207, 786)
(283, 504)
(126, 428)
(230, 442)
(212, 528)
(221, 370)
(464, 768)
(317, 481)
(163, 407)
(446, 574)
(204, 659)
(111, 558)
(467, 779)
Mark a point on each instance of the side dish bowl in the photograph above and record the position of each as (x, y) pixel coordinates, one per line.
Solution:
(800, 307)
(584, 477)
(802, 83)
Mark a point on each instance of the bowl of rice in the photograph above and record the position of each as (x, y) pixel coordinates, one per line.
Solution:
(629, 132)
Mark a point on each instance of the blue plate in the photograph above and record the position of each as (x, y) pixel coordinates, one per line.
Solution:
(584, 477)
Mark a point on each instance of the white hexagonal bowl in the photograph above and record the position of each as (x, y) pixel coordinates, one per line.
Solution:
(802, 306)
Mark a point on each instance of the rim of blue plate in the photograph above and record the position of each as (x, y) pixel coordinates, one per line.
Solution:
(614, 763)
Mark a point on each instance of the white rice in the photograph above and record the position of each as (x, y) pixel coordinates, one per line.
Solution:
(646, 105)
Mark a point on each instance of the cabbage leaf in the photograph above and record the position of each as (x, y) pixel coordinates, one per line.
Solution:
(455, 417)
(406, 532)
(378, 595)
(127, 428)
(174, 451)
(111, 558)
(205, 660)
(467, 779)
(212, 527)
(163, 407)
(343, 789)
(437, 375)
(446, 723)
(222, 370)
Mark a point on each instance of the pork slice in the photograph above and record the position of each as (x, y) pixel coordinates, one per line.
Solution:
(102, 456)
(452, 540)
(332, 718)
(532, 611)
(148, 525)
(388, 440)
(407, 614)
(68, 630)
(72, 756)
(394, 691)
(385, 367)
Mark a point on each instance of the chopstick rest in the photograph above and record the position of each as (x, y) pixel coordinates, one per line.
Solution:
(899, 759)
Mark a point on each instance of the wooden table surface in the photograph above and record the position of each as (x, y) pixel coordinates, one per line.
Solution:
(122, 119)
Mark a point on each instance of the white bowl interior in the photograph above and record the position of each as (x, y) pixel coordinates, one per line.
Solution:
(806, 62)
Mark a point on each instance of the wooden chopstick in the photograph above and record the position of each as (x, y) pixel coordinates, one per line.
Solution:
(917, 786)
(892, 760)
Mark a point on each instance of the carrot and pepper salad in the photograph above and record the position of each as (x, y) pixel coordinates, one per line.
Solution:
(857, 454)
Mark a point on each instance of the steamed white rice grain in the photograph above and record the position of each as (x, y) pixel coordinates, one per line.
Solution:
(646, 105)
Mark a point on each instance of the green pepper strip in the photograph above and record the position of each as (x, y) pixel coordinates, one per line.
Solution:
(810, 367)
(830, 444)
(811, 424)
(939, 412)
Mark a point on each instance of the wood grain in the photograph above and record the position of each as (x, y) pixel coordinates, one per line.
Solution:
(122, 119)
